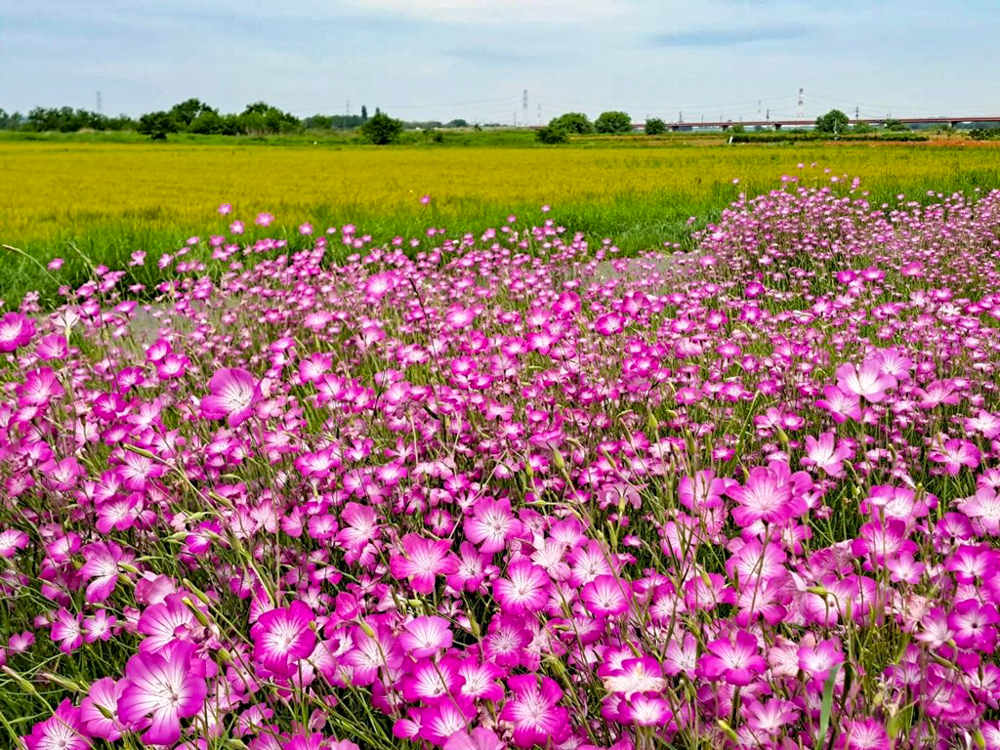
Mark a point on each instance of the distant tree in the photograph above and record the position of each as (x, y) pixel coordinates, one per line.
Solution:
(458, 122)
(188, 111)
(364, 113)
(833, 121)
(613, 122)
(381, 129)
(655, 126)
(552, 135)
(738, 128)
(862, 128)
(573, 122)
(157, 125)
(261, 117)
(208, 122)
(378, 111)
(895, 125)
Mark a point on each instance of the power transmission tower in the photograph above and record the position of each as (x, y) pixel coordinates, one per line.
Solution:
(802, 104)
(98, 102)
(539, 113)
(524, 108)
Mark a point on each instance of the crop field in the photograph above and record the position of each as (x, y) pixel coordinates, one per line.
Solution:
(345, 469)
(106, 201)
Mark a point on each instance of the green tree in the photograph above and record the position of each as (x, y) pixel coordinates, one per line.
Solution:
(895, 125)
(458, 122)
(208, 122)
(862, 128)
(613, 123)
(188, 111)
(364, 113)
(381, 129)
(833, 121)
(157, 125)
(552, 135)
(573, 122)
(655, 126)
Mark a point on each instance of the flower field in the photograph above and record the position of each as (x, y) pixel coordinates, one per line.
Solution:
(110, 200)
(509, 489)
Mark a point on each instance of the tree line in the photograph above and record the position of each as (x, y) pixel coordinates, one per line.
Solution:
(195, 116)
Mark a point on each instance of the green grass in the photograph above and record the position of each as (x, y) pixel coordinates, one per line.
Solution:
(92, 199)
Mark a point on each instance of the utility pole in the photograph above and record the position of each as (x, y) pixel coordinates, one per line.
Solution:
(524, 108)
(857, 113)
(769, 114)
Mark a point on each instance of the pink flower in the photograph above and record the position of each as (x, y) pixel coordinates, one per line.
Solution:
(606, 596)
(525, 589)
(164, 688)
(55, 264)
(67, 630)
(491, 525)
(817, 661)
(64, 730)
(264, 219)
(842, 406)
(225, 208)
(535, 712)
(827, 454)
(424, 200)
(736, 661)
(983, 506)
(481, 738)
(234, 394)
(866, 734)
(422, 561)
(610, 324)
(101, 565)
(16, 331)
(771, 494)
(425, 636)
(955, 454)
(12, 540)
(99, 708)
(283, 637)
(869, 381)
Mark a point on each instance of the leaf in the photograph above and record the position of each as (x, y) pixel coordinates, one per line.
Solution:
(827, 706)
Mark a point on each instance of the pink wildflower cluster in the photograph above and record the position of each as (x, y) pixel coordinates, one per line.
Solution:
(510, 490)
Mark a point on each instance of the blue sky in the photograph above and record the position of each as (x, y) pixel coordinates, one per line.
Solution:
(442, 59)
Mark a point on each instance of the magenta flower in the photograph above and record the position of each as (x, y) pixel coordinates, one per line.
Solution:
(525, 589)
(737, 661)
(234, 394)
(67, 630)
(772, 494)
(955, 454)
(422, 561)
(606, 596)
(98, 710)
(827, 454)
(535, 712)
(64, 730)
(16, 330)
(101, 569)
(11, 541)
(481, 738)
(866, 734)
(425, 636)
(984, 506)
(841, 405)
(491, 525)
(869, 382)
(164, 689)
(283, 637)
(817, 661)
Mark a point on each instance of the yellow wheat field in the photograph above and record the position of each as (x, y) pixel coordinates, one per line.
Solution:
(53, 190)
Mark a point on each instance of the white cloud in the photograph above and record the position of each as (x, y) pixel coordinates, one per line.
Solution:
(501, 11)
